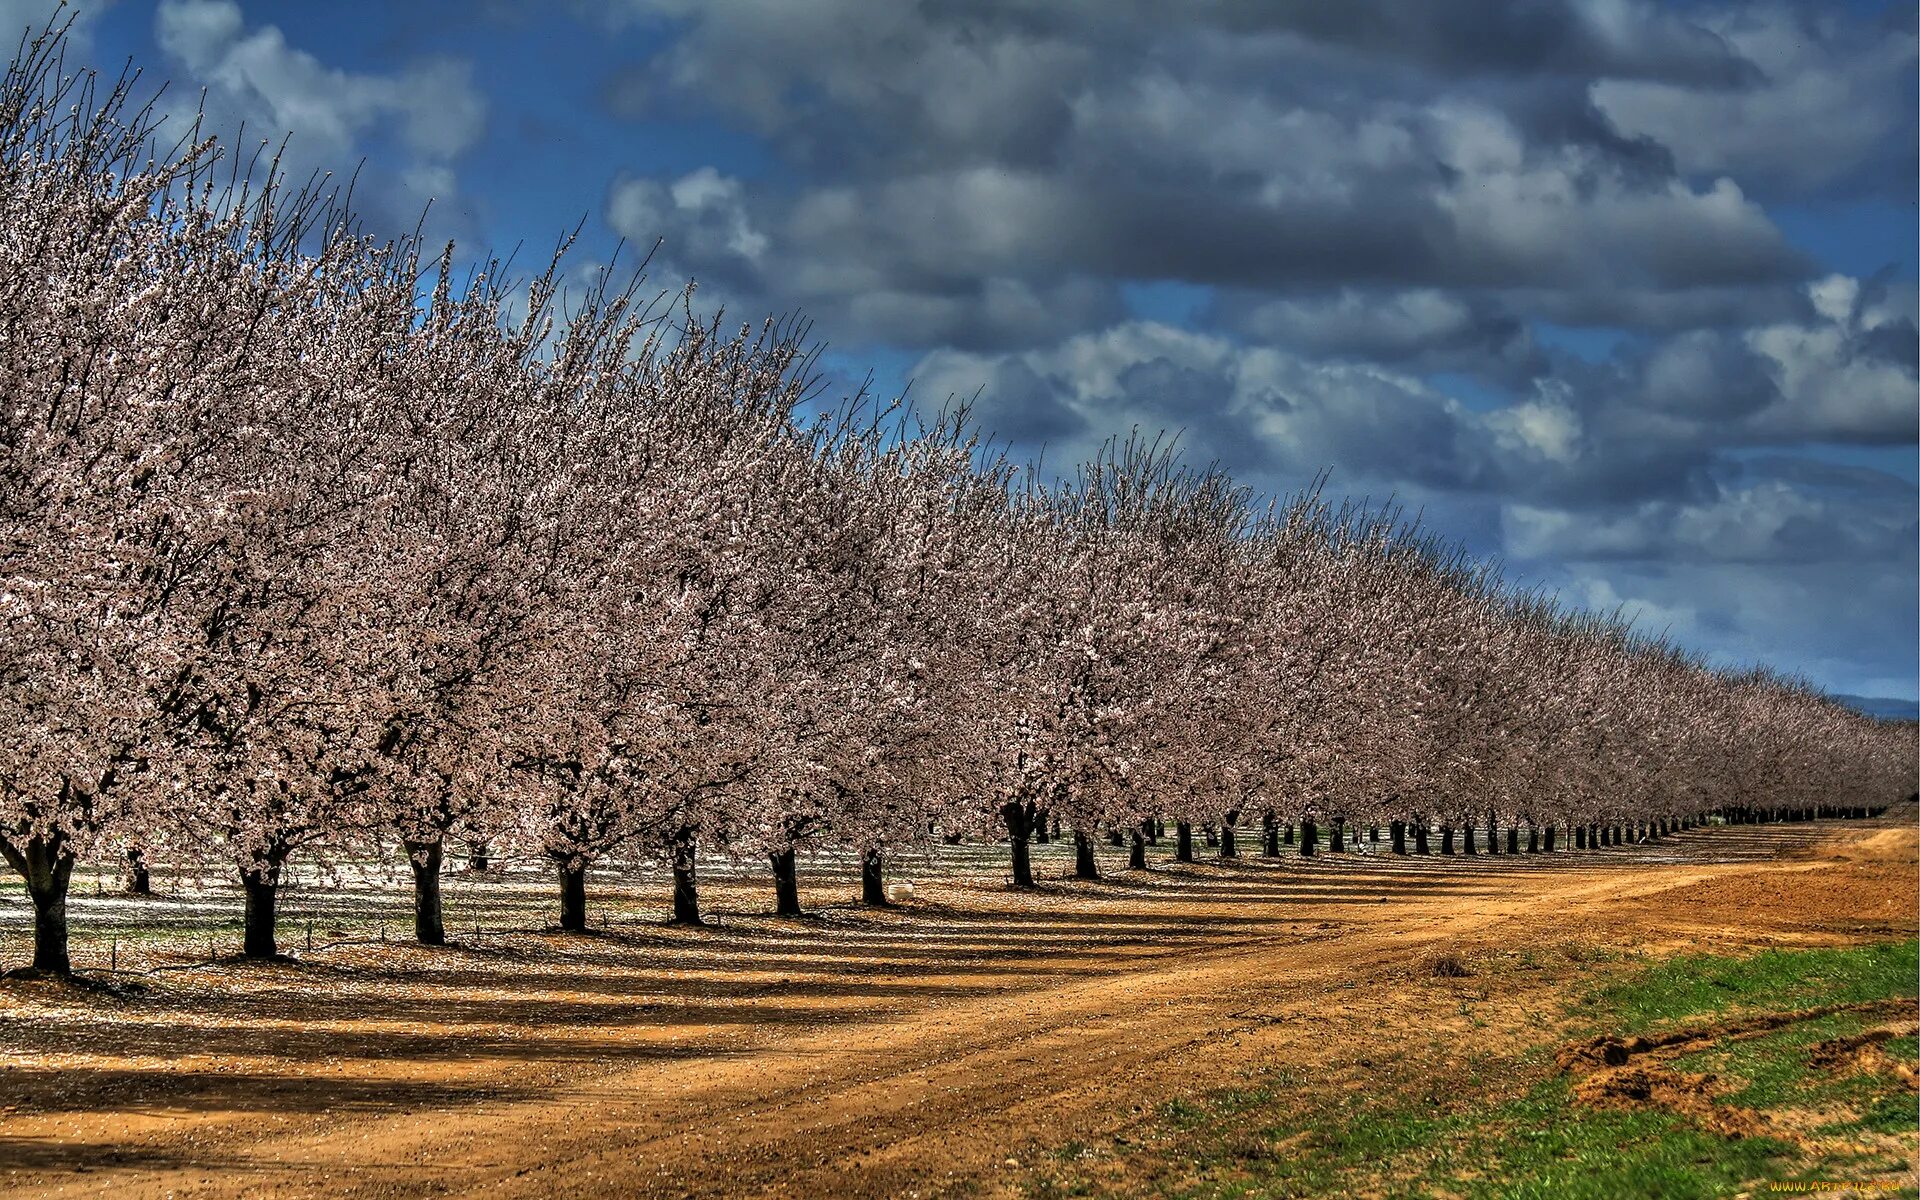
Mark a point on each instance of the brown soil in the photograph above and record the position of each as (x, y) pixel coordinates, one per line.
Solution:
(1864, 1053)
(1692, 1096)
(918, 1051)
(1609, 1050)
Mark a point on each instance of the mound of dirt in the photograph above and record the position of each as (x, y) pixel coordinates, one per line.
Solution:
(1864, 1054)
(1610, 1050)
(1597, 1052)
(1688, 1095)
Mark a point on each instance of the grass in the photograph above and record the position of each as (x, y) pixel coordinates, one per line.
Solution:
(1507, 1126)
(1772, 980)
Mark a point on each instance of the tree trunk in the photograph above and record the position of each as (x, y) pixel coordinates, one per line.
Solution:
(1373, 835)
(1446, 839)
(47, 867)
(786, 884)
(1137, 852)
(1269, 836)
(263, 892)
(1339, 837)
(1548, 841)
(1467, 845)
(1309, 838)
(1116, 839)
(1084, 866)
(1040, 829)
(573, 898)
(1533, 839)
(686, 883)
(873, 885)
(1229, 847)
(1183, 841)
(1289, 837)
(479, 857)
(1420, 837)
(424, 858)
(1206, 831)
(1513, 841)
(1019, 821)
(139, 881)
(1397, 832)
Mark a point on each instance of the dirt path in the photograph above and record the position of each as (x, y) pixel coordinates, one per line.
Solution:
(859, 1054)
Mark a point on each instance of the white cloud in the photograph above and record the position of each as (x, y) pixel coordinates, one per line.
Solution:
(257, 79)
(1833, 93)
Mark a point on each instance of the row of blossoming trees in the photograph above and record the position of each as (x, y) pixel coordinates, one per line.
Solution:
(312, 549)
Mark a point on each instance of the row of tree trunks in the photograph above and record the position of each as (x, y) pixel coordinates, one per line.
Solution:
(47, 867)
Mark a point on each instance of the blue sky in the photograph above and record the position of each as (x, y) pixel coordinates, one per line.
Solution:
(1620, 292)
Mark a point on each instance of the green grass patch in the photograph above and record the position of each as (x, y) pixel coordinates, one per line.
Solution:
(1773, 980)
(1505, 1125)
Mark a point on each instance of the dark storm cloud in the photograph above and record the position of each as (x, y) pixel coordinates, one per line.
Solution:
(938, 146)
(1531, 37)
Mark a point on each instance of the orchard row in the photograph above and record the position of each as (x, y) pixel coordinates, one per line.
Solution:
(311, 546)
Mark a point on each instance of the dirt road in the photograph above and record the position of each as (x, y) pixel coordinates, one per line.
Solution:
(918, 1052)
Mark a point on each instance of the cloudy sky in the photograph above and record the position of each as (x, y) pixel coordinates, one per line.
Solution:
(1621, 292)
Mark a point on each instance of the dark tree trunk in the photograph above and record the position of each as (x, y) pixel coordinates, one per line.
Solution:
(1289, 833)
(479, 856)
(1548, 842)
(1446, 839)
(1467, 842)
(686, 880)
(1533, 839)
(47, 867)
(428, 927)
(1309, 838)
(1084, 866)
(1420, 838)
(786, 883)
(873, 885)
(263, 894)
(1513, 841)
(1229, 847)
(139, 880)
(1397, 832)
(1206, 831)
(1373, 835)
(573, 898)
(1116, 839)
(1137, 852)
(1019, 822)
(1338, 838)
(1270, 836)
(1040, 829)
(1183, 841)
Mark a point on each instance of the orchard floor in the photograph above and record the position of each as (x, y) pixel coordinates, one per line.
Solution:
(940, 1048)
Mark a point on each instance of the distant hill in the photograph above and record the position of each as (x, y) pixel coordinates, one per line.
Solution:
(1884, 707)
